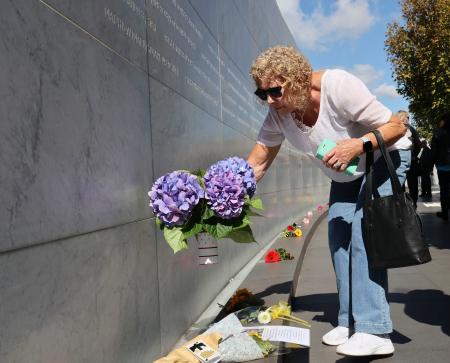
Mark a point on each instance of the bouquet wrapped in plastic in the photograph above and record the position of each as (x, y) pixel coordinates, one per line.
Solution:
(218, 202)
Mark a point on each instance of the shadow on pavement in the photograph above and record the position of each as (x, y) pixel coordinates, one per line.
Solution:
(435, 230)
(362, 359)
(426, 306)
(282, 288)
(399, 338)
(328, 304)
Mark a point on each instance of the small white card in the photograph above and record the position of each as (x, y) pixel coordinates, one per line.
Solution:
(203, 352)
(287, 334)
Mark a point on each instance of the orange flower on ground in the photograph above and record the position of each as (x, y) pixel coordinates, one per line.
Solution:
(272, 256)
(241, 299)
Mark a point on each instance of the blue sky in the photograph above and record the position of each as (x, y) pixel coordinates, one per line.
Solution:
(347, 34)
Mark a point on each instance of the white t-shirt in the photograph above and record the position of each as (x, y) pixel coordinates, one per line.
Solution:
(347, 110)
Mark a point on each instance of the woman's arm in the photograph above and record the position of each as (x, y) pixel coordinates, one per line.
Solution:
(347, 150)
(261, 158)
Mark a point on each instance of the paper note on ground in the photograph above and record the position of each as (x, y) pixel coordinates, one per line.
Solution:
(287, 334)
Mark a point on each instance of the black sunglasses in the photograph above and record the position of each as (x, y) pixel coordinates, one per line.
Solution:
(274, 92)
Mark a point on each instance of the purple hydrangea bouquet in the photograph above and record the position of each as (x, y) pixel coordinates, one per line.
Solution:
(219, 202)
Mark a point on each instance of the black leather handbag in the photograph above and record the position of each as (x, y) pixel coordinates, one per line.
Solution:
(392, 230)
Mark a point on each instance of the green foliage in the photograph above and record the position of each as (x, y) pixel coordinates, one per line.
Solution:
(426, 131)
(242, 235)
(255, 203)
(418, 48)
(285, 255)
(175, 238)
(203, 220)
(266, 347)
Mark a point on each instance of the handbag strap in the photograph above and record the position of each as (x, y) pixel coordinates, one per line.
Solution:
(395, 182)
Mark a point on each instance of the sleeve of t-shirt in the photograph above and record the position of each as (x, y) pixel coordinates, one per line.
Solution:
(270, 133)
(355, 102)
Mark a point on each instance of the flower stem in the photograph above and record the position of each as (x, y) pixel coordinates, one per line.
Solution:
(295, 320)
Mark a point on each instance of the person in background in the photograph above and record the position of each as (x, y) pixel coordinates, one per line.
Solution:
(425, 168)
(440, 149)
(412, 177)
(306, 107)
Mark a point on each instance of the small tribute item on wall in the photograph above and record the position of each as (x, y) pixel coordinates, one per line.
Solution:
(208, 251)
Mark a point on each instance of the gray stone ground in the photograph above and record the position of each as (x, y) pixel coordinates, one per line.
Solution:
(419, 298)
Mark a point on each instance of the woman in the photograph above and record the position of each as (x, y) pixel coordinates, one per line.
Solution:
(306, 107)
(440, 149)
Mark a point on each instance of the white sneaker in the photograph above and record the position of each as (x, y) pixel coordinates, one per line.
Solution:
(361, 344)
(337, 336)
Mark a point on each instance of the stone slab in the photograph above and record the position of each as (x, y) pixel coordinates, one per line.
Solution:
(92, 298)
(75, 137)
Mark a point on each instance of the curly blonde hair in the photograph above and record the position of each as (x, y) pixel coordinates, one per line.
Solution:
(286, 65)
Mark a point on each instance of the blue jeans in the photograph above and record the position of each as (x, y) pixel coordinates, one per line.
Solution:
(362, 291)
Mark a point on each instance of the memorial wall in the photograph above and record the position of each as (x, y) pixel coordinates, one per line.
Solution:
(97, 100)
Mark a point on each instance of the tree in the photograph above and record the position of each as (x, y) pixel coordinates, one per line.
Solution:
(419, 51)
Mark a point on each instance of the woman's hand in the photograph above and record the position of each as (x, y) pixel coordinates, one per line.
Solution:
(344, 152)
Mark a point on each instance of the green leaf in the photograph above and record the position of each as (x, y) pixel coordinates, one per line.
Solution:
(208, 213)
(242, 235)
(251, 213)
(158, 223)
(265, 346)
(200, 172)
(193, 229)
(282, 252)
(256, 203)
(175, 238)
(194, 224)
(223, 230)
(211, 229)
(217, 229)
(244, 222)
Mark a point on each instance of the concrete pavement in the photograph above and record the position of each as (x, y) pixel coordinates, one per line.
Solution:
(419, 298)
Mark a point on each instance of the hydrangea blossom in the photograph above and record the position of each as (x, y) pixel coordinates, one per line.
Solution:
(173, 197)
(225, 192)
(239, 166)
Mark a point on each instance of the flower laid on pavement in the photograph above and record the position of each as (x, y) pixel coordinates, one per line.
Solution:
(264, 317)
(218, 202)
(241, 299)
(277, 255)
(306, 221)
(309, 214)
(292, 231)
(249, 314)
(265, 346)
(283, 311)
(272, 256)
